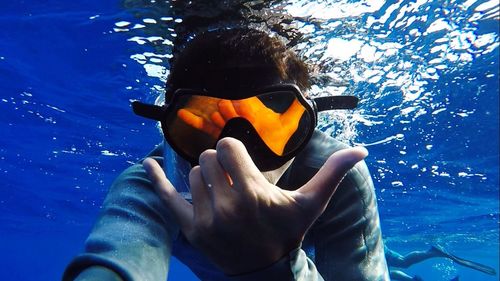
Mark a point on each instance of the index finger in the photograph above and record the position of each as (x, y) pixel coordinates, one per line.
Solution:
(234, 158)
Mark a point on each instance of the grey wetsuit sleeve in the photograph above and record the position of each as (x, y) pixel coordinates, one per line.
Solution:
(296, 266)
(132, 238)
(346, 238)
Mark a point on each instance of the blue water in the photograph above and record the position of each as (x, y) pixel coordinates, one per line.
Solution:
(429, 116)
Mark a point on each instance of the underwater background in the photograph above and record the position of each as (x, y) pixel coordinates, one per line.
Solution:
(426, 73)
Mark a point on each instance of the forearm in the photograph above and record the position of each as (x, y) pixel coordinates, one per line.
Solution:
(132, 237)
(348, 238)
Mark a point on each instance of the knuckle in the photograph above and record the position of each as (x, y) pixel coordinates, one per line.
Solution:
(228, 150)
(194, 170)
(228, 145)
(207, 156)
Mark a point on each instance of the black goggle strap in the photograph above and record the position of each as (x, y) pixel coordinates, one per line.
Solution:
(156, 112)
(150, 111)
(335, 102)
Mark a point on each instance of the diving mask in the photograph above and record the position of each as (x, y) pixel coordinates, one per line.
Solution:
(274, 123)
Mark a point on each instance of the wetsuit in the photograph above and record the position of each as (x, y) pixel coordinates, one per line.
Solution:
(135, 235)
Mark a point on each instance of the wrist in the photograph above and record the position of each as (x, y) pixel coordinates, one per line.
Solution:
(256, 261)
(278, 270)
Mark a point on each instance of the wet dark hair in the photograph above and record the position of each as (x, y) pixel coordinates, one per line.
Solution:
(235, 59)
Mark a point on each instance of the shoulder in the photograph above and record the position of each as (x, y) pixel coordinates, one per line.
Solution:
(311, 159)
(319, 148)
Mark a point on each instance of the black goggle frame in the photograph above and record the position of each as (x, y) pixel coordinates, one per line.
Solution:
(263, 157)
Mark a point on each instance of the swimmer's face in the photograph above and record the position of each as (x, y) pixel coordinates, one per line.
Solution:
(274, 175)
(267, 79)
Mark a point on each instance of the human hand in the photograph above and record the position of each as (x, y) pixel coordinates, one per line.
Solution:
(238, 219)
(264, 119)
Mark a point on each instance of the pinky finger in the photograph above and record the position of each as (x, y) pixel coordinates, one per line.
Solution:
(180, 208)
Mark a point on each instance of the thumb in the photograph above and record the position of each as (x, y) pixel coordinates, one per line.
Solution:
(318, 190)
(181, 209)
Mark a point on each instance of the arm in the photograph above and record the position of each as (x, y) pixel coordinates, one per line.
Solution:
(295, 266)
(239, 220)
(131, 240)
(347, 235)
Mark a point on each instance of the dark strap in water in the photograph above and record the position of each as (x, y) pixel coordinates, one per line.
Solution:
(336, 102)
(150, 111)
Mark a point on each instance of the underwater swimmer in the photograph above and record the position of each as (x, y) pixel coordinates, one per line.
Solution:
(395, 259)
(260, 197)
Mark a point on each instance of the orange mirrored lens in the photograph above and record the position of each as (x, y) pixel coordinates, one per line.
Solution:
(276, 117)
